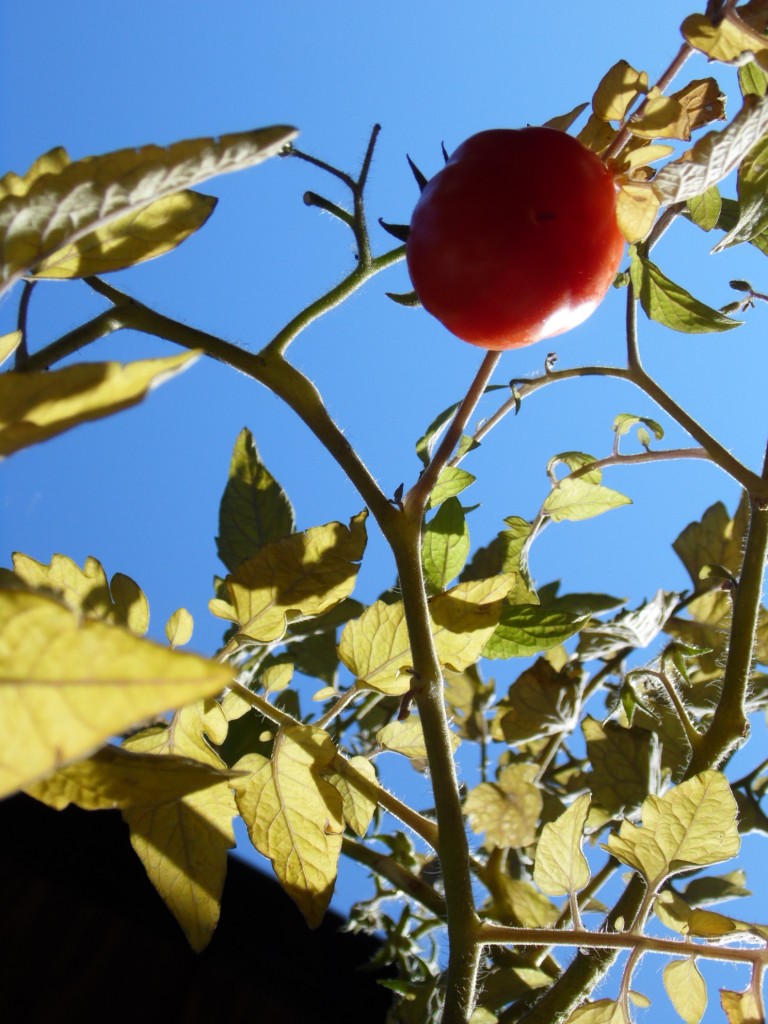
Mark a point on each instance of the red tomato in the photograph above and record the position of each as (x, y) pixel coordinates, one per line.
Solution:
(515, 239)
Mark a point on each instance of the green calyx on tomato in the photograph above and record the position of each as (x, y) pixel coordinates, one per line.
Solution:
(515, 239)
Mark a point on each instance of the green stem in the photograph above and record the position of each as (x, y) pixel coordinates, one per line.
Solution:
(99, 327)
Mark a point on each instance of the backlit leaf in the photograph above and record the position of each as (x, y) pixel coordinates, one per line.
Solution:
(742, 1007)
(465, 617)
(445, 545)
(717, 539)
(178, 628)
(714, 156)
(705, 209)
(624, 764)
(635, 627)
(452, 481)
(575, 460)
(603, 1011)
(507, 810)
(620, 86)
(74, 200)
(68, 684)
(254, 509)
(691, 825)
(663, 117)
(731, 41)
(138, 236)
(299, 576)
(637, 206)
(580, 499)
(686, 989)
(540, 703)
(671, 305)
(357, 805)
(407, 737)
(8, 344)
(520, 903)
(752, 182)
(703, 101)
(36, 406)
(624, 422)
(561, 867)
(295, 816)
(524, 630)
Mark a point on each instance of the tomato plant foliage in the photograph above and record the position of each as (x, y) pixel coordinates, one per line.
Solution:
(617, 727)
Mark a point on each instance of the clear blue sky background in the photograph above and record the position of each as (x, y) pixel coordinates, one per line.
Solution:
(140, 491)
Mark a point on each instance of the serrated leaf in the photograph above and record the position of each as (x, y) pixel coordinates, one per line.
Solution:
(63, 206)
(540, 703)
(140, 235)
(69, 684)
(686, 989)
(36, 406)
(603, 1011)
(445, 545)
(407, 737)
(742, 1007)
(179, 627)
(524, 630)
(507, 810)
(356, 805)
(624, 764)
(376, 649)
(254, 509)
(295, 816)
(120, 602)
(299, 576)
(671, 305)
(452, 481)
(618, 89)
(691, 825)
(714, 156)
(561, 867)
(578, 499)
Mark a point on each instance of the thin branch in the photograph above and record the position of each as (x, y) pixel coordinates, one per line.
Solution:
(405, 881)
(22, 349)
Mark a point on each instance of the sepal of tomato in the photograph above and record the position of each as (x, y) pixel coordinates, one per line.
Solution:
(515, 239)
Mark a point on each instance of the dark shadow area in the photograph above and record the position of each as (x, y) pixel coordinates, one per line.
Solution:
(86, 938)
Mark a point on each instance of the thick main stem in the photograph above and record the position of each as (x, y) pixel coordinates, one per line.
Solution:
(427, 688)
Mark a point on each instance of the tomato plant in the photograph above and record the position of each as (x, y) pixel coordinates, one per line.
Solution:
(515, 239)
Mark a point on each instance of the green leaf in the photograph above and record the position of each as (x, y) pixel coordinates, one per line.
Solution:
(445, 545)
(704, 210)
(36, 406)
(295, 816)
(686, 989)
(561, 868)
(254, 509)
(691, 825)
(540, 703)
(48, 211)
(299, 576)
(579, 499)
(69, 684)
(575, 460)
(625, 421)
(715, 888)
(452, 481)
(427, 442)
(138, 236)
(524, 630)
(507, 810)
(183, 844)
(671, 305)
(624, 765)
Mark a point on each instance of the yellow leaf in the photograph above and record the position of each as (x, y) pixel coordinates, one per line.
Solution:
(183, 843)
(636, 208)
(703, 101)
(67, 685)
(407, 737)
(561, 867)
(742, 1007)
(519, 903)
(60, 208)
(277, 677)
(115, 777)
(140, 235)
(645, 155)
(52, 162)
(294, 815)
(375, 647)
(121, 603)
(617, 91)
(8, 344)
(357, 806)
(663, 118)
(507, 810)
(691, 825)
(178, 629)
(299, 576)
(603, 1011)
(596, 135)
(686, 989)
(732, 41)
(36, 406)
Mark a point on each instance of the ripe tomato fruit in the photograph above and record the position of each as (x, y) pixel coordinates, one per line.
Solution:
(515, 239)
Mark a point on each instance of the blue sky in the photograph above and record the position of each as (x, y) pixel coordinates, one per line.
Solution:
(140, 491)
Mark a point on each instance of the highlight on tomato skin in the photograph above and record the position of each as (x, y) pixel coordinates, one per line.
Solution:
(515, 239)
